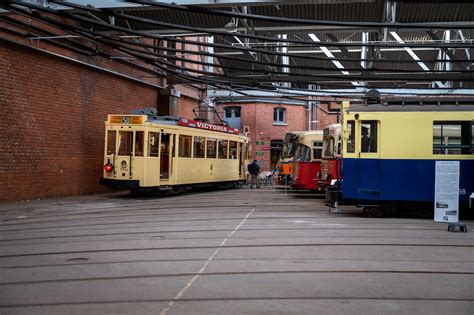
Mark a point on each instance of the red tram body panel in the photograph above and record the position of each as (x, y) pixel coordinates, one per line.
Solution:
(305, 175)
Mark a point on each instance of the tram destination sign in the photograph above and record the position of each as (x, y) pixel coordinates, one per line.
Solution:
(201, 125)
(126, 120)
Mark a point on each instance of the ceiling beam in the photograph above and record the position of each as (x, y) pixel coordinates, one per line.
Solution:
(333, 59)
(415, 57)
(359, 91)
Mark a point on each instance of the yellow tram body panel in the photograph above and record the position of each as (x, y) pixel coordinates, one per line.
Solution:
(407, 132)
(164, 153)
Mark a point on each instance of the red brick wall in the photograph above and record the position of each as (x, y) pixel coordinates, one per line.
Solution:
(52, 126)
(324, 118)
(186, 106)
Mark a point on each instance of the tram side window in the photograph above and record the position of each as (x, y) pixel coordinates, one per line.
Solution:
(351, 138)
(184, 146)
(139, 139)
(153, 144)
(222, 149)
(453, 137)
(211, 148)
(368, 136)
(111, 135)
(232, 150)
(317, 150)
(126, 140)
(199, 147)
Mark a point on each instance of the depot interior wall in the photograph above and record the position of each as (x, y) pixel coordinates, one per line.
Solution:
(52, 126)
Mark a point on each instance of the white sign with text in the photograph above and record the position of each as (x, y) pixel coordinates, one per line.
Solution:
(446, 203)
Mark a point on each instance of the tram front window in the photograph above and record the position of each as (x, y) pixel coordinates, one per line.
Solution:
(302, 153)
(126, 140)
(329, 148)
(111, 136)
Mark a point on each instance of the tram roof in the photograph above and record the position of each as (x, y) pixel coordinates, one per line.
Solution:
(416, 105)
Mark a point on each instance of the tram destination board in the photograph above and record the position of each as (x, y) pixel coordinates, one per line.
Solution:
(127, 120)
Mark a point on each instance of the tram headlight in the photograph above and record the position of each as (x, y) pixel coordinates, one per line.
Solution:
(108, 167)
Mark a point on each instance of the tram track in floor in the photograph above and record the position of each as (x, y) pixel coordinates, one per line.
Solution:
(305, 260)
(232, 273)
(153, 210)
(246, 246)
(216, 230)
(160, 238)
(235, 299)
(314, 216)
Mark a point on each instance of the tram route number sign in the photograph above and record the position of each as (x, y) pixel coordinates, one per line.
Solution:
(126, 120)
(446, 203)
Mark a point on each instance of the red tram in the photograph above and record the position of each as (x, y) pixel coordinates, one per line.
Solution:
(307, 161)
(331, 156)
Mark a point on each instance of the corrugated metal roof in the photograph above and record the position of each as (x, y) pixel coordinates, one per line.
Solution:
(328, 10)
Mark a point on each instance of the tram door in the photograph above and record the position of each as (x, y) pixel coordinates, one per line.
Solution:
(123, 159)
(137, 163)
(152, 177)
(368, 164)
(241, 159)
(165, 155)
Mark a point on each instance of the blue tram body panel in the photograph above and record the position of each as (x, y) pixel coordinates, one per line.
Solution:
(374, 180)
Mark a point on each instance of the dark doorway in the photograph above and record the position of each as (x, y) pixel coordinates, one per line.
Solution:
(275, 151)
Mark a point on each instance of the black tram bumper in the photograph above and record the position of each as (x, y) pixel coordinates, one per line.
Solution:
(119, 184)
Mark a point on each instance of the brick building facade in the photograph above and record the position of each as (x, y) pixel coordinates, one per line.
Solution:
(268, 122)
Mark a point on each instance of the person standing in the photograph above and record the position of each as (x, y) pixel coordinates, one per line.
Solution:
(254, 169)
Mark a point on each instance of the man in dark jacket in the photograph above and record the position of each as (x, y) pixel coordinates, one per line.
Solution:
(254, 170)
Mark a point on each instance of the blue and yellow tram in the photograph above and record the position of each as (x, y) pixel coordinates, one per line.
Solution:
(390, 152)
(144, 152)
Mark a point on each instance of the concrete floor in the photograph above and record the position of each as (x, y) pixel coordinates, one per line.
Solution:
(227, 252)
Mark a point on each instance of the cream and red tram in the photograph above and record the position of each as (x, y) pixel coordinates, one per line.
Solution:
(147, 152)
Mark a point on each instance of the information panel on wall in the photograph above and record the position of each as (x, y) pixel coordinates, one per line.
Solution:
(446, 203)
